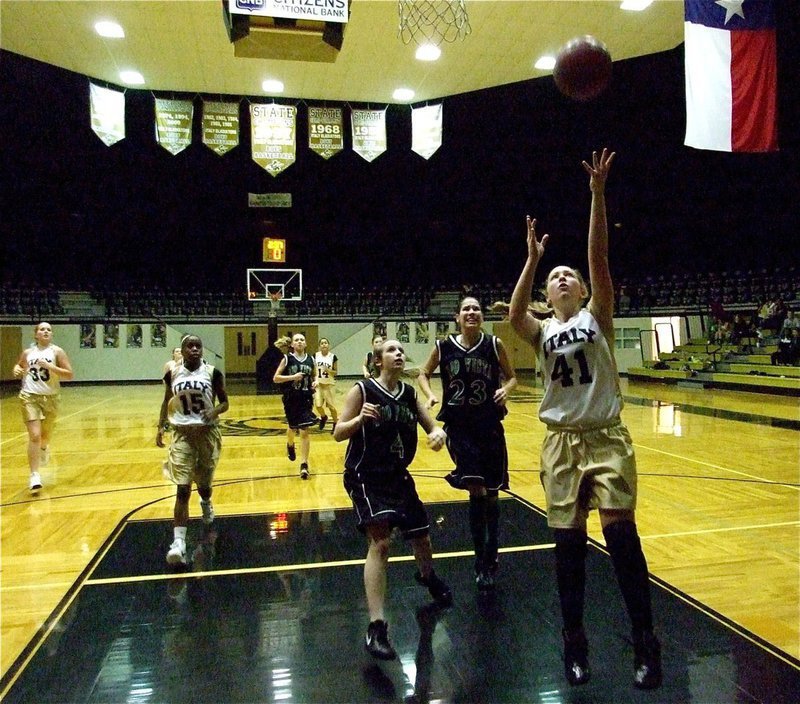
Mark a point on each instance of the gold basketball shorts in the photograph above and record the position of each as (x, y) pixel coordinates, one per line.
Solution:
(323, 396)
(38, 406)
(586, 469)
(193, 454)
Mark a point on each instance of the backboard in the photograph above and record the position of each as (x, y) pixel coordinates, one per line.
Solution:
(266, 284)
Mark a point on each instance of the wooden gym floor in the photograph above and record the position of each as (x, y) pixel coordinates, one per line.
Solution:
(90, 611)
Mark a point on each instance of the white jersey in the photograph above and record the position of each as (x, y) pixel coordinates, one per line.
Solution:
(581, 383)
(193, 392)
(325, 364)
(39, 379)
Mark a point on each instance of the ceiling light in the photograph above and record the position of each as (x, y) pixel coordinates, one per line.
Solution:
(545, 63)
(403, 94)
(110, 30)
(272, 85)
(635, 5)
(132, 78)
(428, 52)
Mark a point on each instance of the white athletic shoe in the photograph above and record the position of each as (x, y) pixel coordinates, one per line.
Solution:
(208, 511)
(44, 457)
(177, 552)
(35, 482)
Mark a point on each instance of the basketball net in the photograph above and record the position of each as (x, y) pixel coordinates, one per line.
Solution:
(274, 303)
(432, 21)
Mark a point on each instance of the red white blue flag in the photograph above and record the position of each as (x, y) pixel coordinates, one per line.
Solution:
(731, 75)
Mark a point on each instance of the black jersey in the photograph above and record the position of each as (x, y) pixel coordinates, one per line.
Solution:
(294, 365)
(390, 443)
(470, 378)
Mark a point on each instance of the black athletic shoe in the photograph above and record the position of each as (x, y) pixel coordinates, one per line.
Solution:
(290, 453)
(322, 422)
(304, 470)
(646, 661)
(333, 427)
(377, 643)
(439, 590)
(576, 657)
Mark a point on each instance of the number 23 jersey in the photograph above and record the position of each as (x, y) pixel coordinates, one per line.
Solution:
(581, 384)
(193, 393)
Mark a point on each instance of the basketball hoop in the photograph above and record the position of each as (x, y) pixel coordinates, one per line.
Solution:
(432, 21)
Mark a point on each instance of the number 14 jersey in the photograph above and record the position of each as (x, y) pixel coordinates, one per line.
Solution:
(581, 383)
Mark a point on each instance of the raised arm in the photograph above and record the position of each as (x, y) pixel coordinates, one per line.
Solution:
(526, 326)
(601, 305)
(425, 374)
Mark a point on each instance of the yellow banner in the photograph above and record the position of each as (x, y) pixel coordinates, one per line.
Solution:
(220, 126)
(325, 131)
(174, 124)
(273, 133)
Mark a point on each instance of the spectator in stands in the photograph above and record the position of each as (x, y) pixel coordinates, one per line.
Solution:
(739, 330)
(788, 352)
(792, 322)
(763, 315)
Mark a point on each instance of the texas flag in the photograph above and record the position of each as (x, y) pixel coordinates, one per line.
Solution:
(731, 75)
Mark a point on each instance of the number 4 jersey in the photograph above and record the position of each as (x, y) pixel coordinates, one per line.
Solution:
(581, 384)
(193, 392)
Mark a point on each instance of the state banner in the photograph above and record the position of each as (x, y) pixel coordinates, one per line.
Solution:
(426, 130)
(107, 113)
(220, 126)
(325, 131)
(273, 133)
(174, 124)
(369, 133)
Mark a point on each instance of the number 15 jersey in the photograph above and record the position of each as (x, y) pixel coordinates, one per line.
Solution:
(193, 392)
(581, 383)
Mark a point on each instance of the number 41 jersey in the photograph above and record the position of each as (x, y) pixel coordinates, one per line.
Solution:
(581, 384)
(193, 392)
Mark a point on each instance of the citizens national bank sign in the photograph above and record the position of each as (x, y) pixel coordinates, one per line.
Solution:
(321, 10)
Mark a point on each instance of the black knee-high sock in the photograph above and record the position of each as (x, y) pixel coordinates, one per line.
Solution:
(571, 575)
(630, 566)
(492, 526)
(477, 526)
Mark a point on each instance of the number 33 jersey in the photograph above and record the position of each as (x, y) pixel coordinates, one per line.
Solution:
(193, 393)
(581, 384)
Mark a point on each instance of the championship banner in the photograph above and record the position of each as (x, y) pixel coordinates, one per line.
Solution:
(426, 130)
(369, 133)
(273, 135)
(174, 124)
(107, 113)
(220, 126)
(325, 131)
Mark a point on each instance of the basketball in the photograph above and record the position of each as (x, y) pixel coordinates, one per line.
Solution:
(583, 68)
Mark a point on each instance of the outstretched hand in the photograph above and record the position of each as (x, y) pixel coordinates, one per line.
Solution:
(598, 170)
(535, 247)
